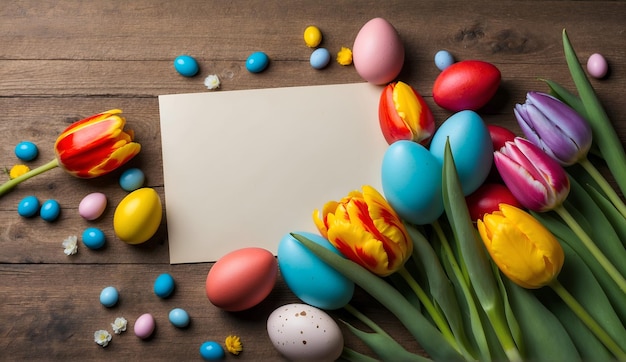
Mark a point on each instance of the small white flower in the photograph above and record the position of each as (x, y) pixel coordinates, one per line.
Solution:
(119, 325)
(212, 81)
(102, 337)
(70, 244)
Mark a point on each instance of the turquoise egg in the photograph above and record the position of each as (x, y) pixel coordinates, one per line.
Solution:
(164, 285)
(50, 210)
(186, 66)
(132, 179)
(411, 181)
(93, 238)
(212, 351)
(179, 317)
(109, 296)
(308, 277)
(320, 58)
(257, 62)
(26, 151)
(471, 147)
(28, 206)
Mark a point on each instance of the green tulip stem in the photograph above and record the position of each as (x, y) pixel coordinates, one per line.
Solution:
(604, 185)
(588, 320)
(7, 186)
(592, 247)
(439, 320)
(363, 318)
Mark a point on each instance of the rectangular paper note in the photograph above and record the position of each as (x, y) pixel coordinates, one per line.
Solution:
(245, 168)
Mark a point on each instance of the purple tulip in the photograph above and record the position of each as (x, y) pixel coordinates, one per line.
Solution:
(554, 127)
(536, 180)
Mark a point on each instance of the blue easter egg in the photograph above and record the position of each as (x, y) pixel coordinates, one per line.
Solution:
(109, 296)
(164, 285)
(443, 59)
(26, 151)
(211, 351)
(132, 179)
(93, 238)
(257, 62)
(186, 65)
(411, 181)
(320, 58)
(50, 210)
(471, 147)
(308, 277)
(179, 317)
(28, 206)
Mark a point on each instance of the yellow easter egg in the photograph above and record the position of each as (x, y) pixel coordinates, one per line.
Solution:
(312, 36)
(138, 216)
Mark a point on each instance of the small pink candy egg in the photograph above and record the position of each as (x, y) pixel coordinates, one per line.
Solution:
(92, 206)
(597, 66)
(144, 326)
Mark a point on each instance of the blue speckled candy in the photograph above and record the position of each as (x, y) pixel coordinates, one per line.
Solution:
(109, 296)
(308, 277)
(179, 317)
(257, 62)
(164, 285)
(443, 59)
(132, 179)
(211, 351)
(28, 207)
(50, 210)
(320, 58)
(26, 151)
(186, 65)
(93, 238)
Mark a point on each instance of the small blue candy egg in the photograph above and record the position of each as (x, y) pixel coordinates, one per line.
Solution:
(443, 59)
(212, 351)
(50, 210)
(257, 62)
(186, 65)
(93, 238)
(164, 285)
(179, 317)
(411, 180)
(309, 278)
(132, 179)
(28, 207)
(320, 58)
(109, 296)
(26, 151)
(471, 147)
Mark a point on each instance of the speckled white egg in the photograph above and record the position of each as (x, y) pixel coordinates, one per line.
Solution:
(304, 333)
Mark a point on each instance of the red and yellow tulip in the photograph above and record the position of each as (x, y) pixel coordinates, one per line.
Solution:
(522, 248)
(404, 115)
(365, 229)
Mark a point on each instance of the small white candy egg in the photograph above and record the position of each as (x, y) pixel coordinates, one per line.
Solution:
(304, 333)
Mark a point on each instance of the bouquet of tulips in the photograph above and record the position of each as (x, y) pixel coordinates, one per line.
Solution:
(540, 275)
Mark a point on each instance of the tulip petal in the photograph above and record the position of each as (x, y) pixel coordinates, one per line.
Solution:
(526, 189)
(116, 159)
(359, 246)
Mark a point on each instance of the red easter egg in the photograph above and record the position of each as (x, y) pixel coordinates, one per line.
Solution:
(241, 279)
(468, 84)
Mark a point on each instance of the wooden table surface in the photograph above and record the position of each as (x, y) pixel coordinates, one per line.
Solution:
(63, 60)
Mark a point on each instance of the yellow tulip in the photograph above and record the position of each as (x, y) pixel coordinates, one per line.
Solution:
(522, 248)
(366, 230)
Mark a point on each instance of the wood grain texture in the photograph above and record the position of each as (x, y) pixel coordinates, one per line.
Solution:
(64, 60)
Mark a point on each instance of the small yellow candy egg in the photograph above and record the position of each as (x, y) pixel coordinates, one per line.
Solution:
(138, 216)
(312, 36)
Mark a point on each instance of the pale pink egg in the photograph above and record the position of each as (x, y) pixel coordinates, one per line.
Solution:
(378, 52)
(144, 326)
(241, 279)
(92, 206)
(597, 66)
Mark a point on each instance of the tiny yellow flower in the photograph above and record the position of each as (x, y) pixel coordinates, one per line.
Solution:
(233, 344)
(17, 171)
(344, 57)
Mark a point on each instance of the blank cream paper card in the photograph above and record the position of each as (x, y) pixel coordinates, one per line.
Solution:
(244, 168)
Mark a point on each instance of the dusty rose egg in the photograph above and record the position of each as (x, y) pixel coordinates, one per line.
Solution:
(378, 52)
(597, 66)
(144, 326)
(241, 279)
(92, 206)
